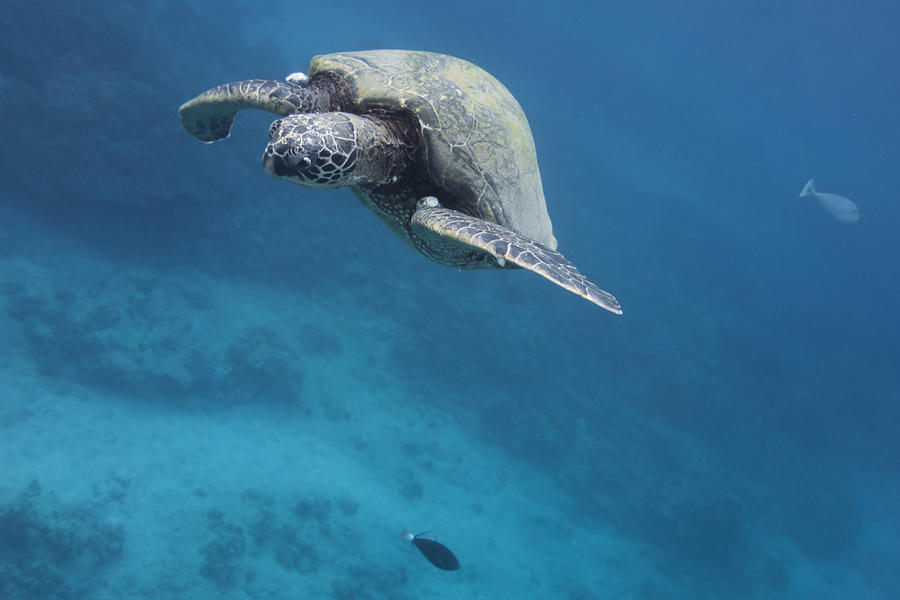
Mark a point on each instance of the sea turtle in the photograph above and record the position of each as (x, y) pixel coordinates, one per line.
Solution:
(434, 145)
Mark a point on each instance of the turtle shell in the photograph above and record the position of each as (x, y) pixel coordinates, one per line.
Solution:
(478, 144)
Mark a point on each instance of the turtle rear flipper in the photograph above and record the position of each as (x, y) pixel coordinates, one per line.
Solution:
(209, 116)
(505, 245)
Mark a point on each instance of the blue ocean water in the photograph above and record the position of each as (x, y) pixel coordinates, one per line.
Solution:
(216, 384)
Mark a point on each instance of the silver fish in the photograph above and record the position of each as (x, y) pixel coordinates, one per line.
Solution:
(842, 209)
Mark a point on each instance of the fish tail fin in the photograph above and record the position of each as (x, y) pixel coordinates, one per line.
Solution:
(808, 189)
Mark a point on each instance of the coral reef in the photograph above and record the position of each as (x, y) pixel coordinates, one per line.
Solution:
(222, 554)
(293, 552)
(151, 337)
(258, 364)
(366, 582)
(49, 549)
(314, 511)
(264, 529)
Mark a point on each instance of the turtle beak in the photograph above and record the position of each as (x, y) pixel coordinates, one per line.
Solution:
(274, 164)
(268, 161)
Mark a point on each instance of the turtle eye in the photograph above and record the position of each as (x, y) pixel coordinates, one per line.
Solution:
(297, 160)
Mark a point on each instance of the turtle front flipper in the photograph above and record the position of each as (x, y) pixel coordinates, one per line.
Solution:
(505, 245)
(209, 116)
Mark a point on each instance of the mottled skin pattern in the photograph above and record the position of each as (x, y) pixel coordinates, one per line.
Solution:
(434, 145)
(504, 246)
(322, 150)
(209, 116)
(339, 149)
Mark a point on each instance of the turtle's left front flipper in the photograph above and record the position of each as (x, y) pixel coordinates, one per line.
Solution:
(209, 116)
(504, 244)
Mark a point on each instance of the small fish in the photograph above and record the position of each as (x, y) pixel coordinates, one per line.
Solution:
(437, 554)
(842, 209)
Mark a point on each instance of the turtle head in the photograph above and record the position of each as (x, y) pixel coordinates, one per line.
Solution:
(334, 149)
(315, 150)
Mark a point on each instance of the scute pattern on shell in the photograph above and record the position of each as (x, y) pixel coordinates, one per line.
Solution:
(478, 143)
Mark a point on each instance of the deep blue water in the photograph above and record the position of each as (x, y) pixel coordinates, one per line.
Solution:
(216, 384)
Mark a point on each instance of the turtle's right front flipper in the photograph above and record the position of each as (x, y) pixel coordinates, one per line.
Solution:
(449, 227)
(209, 116)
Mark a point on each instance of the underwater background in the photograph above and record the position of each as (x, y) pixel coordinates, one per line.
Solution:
(216, 384)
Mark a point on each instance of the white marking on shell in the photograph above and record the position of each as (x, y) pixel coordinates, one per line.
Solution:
(428, 202)
(298, 78)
